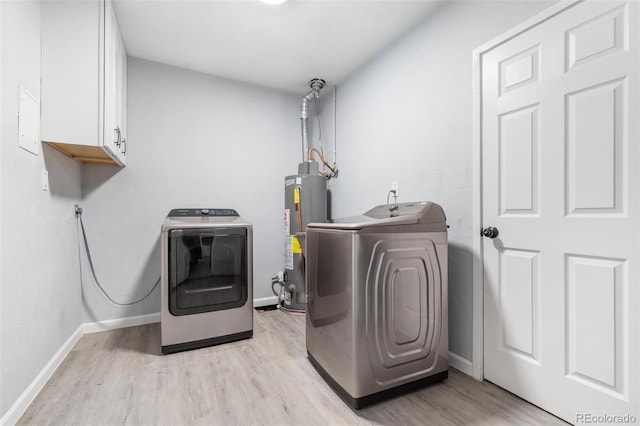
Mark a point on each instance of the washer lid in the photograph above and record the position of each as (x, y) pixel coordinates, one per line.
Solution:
(417, 212)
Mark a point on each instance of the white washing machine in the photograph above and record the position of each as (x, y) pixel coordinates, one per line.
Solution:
(376, 322)
(207, 279)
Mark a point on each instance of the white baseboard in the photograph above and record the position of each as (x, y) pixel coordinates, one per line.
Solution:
(460, 363)
(112, 324)
(22, 403)
(265, 301)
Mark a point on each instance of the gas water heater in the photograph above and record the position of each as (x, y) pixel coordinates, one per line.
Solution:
(305, 201)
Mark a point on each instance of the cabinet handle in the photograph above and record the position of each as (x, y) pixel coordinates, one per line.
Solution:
(117, 142)
(124, 145)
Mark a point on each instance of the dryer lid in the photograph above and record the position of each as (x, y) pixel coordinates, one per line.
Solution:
(203, 213)
(417, 212)
(204, 217)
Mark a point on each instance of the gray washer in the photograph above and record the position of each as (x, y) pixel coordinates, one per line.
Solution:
(377, 317)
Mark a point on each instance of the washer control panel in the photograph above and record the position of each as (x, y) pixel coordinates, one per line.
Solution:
(203, 213)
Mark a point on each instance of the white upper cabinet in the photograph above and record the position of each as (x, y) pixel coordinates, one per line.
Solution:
(84, 67)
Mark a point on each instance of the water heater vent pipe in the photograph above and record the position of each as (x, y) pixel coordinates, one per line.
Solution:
(316, 85)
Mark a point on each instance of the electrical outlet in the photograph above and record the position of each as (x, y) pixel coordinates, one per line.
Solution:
(394, 187)
(45, 180)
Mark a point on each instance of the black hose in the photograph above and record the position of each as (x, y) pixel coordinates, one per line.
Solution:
(274, 290)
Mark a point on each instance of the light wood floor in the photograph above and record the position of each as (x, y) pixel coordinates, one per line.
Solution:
(120, 378)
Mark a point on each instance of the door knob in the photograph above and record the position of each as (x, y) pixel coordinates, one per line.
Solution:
(489, 232)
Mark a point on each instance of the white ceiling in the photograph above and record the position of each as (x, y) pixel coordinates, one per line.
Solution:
(282, 47)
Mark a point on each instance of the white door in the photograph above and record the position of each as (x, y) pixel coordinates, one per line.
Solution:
(560, 182)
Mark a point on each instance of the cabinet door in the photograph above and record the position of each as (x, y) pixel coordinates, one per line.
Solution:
(111, 138)
(121, 107)
(72, 75)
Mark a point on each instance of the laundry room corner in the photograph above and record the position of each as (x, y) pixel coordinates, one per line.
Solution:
(383, 212)
(193, 140)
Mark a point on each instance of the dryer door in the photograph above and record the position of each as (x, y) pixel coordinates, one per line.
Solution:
(207, 269)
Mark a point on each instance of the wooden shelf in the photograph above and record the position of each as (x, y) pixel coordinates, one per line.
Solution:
(84, 153)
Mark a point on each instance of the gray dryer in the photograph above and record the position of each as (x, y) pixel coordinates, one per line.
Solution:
(376, 322)
(207, 279)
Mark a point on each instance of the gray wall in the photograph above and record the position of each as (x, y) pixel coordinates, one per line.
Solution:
(193, 141)
(406, 116)
(40, 292)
